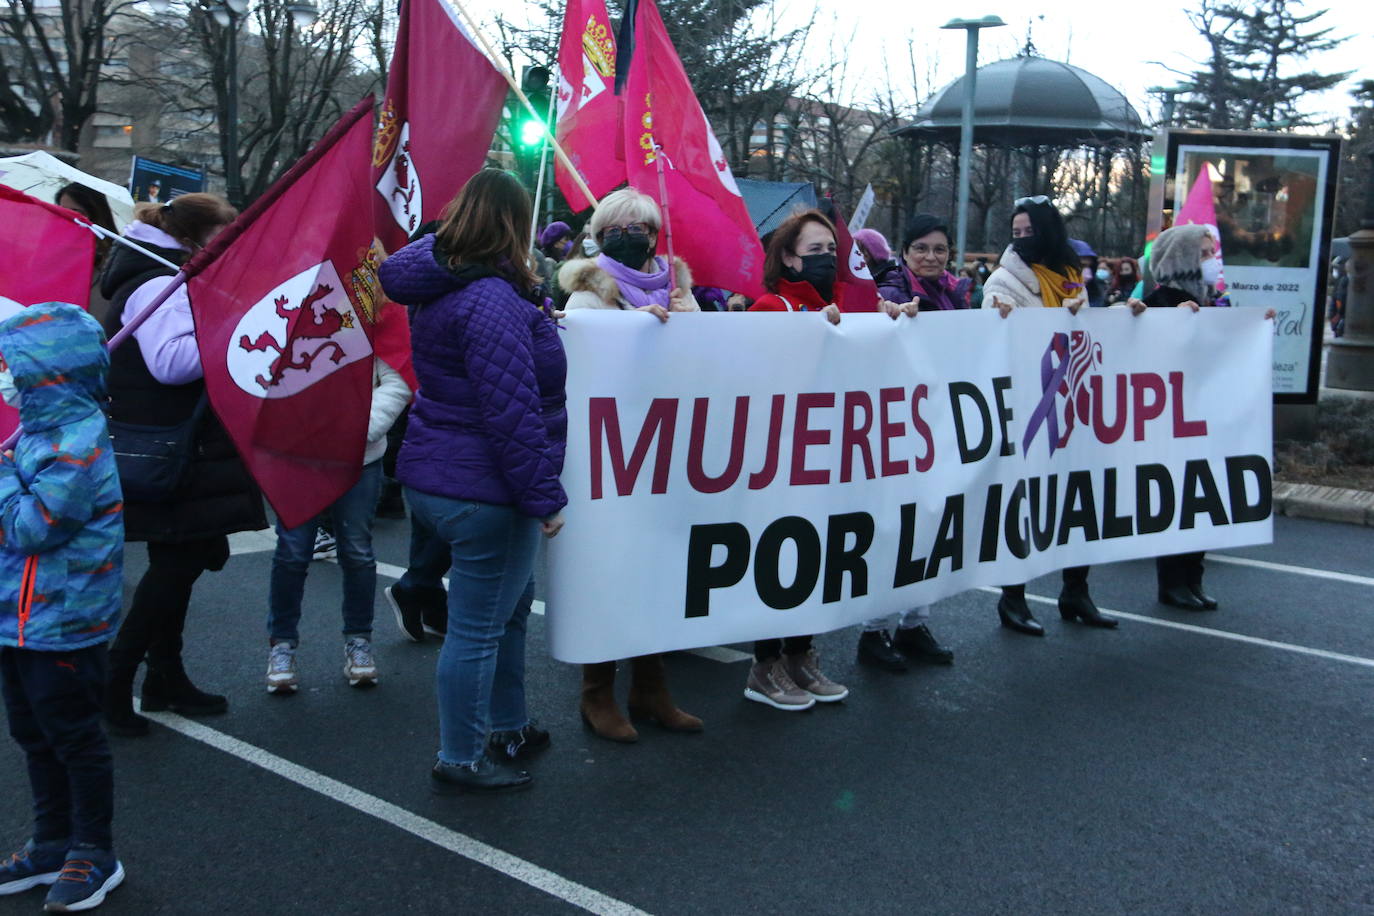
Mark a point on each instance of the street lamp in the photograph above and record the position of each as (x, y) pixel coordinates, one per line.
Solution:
(1169, 93)
(972, 27)
(228, 13)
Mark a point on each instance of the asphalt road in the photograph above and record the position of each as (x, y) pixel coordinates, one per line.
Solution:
(1153, 769)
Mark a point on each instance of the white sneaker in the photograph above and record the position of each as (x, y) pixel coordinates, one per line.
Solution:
(281, 668)
(359, 666)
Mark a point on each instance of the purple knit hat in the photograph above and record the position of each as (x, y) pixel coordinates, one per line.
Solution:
(873, 242)
(553, 232)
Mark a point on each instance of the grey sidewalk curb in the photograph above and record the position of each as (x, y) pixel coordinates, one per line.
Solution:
(1330, 504)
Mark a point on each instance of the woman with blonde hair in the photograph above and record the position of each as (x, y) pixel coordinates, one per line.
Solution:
(480, 463)
(628, 275)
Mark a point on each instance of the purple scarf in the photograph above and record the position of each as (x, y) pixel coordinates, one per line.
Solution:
(944, 293)
(637, 287)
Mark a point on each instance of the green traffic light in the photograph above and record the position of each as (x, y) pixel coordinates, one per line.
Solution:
(531, 133)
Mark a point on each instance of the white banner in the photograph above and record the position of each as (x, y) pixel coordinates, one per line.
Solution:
(738, 477)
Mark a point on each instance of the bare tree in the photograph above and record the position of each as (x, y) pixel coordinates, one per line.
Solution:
(50, 66)
(292, 82)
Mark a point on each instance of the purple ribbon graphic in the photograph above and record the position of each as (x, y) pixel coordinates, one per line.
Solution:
(1051, 377)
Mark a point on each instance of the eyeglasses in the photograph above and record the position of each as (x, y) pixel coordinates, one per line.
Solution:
(1037, 199)
(631, 231)
(939, 251)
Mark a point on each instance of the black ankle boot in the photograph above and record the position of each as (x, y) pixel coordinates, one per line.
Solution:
(876, 649)
(1201, 595)
(168, 688)
(919, 644)
(1076, 604)
(1180, 596)
(1016, 615)
(486, 775)
(120, 718)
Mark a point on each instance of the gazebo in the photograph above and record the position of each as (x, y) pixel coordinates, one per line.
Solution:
(1039, 108)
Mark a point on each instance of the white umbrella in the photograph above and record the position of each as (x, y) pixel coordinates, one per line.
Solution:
(42, 175)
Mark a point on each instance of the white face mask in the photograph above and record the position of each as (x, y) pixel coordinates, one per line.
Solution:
(589, 248)
(8, 391)
(1211, 271)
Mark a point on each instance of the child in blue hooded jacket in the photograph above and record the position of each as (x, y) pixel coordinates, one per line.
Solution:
(61, 573)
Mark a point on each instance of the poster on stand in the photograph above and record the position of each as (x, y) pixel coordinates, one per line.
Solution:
(158, 182)
(1274, 196)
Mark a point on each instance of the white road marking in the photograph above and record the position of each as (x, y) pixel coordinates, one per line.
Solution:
(714, 653)
(1208, 631)
(474, 850)
(1295, 570)
(257, 541)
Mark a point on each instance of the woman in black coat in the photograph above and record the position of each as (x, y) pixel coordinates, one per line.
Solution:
(156, 380)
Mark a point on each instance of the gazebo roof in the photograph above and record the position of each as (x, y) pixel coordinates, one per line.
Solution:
(1030, 100)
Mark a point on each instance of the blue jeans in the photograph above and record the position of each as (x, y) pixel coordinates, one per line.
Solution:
(481, 671)
(352, 514)
(429, 557)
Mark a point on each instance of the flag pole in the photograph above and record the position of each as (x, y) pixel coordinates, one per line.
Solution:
(667, 222)
(119, 239)
(496, 62)
(539, 185)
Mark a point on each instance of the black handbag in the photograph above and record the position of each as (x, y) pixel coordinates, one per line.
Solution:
(153, 460)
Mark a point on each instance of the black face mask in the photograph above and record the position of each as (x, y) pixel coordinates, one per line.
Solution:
(1026, 249)
(818, 270)
(632, 251)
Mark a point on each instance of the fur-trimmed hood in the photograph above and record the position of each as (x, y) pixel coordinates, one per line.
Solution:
(585, 275)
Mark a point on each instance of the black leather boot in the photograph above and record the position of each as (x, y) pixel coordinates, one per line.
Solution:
(1208, 602)
(1076, 604)
(1016, 615)
(486, 775)
(1180, 596)
(876, 650)
(920, 645)
(168, 688)
(120, 718)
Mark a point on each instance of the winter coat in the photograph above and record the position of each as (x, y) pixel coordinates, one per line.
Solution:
(390, 396)
(589, 286)
(1167, 297)
(61, 510)
(792, 296)
(218, 495)
(901, 286)
(489, 422)
(1013, 282)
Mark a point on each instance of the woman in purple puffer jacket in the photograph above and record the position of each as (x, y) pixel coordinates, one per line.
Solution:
(480, 463)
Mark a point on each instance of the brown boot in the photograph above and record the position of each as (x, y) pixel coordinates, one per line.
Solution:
(599, 711)
(649, 697)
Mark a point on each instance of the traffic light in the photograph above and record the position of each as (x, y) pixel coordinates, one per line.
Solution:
(529, 128)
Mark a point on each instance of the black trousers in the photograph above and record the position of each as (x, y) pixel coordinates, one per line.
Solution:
(768, 649)
(1179, 569)
(54, 702)
(1074, 577)
(157, 614)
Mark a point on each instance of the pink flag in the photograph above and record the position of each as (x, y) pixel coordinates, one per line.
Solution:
(443, 102)
(288, 315)
(711, 227)
(1200, 210)
(588, 110)
(860, 292)
(48, 256)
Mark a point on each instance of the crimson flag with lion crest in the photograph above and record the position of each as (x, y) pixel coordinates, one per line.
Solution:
(443, 102)
(289, 315)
